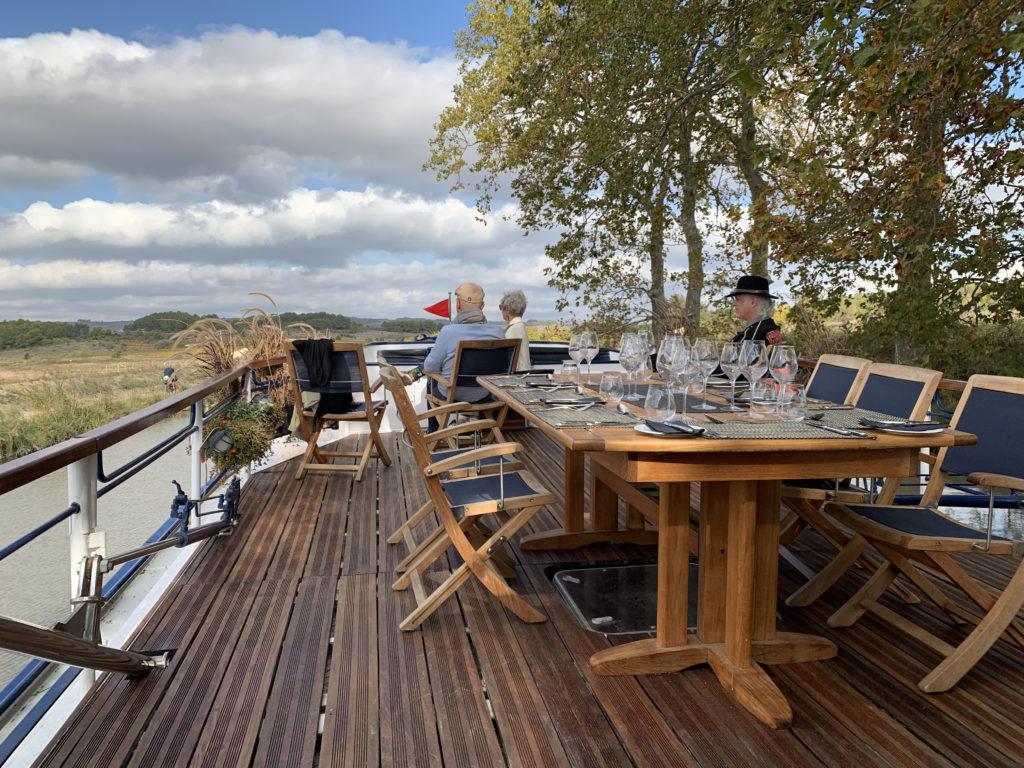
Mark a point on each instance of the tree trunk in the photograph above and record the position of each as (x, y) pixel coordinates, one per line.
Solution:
(656, 252)
(746, 160)
(694, 246)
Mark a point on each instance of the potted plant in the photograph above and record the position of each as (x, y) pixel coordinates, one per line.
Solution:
(243, 434)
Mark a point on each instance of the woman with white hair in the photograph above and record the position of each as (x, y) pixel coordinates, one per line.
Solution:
(754, 304)
(513, 307)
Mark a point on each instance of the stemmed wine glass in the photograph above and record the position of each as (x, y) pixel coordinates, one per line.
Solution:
(666, 350)
(782, 364)
(652, 350)
(730, 363)
(705, 351)
(590, 346)
(631, 356)
(754, 360)
(576, 352)
(685, 369)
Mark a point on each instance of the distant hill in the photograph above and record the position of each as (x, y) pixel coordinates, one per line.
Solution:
(162, 323)
(21, 334)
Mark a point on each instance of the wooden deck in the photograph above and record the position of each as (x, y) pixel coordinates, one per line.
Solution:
(287, 653)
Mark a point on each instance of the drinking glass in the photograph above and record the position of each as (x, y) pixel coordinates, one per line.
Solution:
(631, 357)
(792, 401)
(685, 370)
(591, 347)
(705, 351)
(666, 350)
(576, 352)
(763, 399)
(570, 369)
(782, 364)
(730, 362)
(754, 360)
(660, 403)
(611, 388)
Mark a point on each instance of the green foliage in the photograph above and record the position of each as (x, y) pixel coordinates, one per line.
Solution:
(412, 325)
(322, 321)
(23, 334)
(160, 323)
(252, 427)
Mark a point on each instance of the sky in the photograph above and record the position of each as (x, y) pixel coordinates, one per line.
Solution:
(181, 155)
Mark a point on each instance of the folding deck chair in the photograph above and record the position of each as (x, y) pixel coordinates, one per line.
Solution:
(348, 376)
(914, 538)
(895, 390)
(495, 485)
(479, 357)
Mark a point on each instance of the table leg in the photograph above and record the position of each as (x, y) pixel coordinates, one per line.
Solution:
(736, 626)
(604, 514)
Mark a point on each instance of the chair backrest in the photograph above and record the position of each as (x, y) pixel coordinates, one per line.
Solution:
(348, 371)
(406, 412)
(835, 377)
(484, 357)
(991, 407)
(897, 390)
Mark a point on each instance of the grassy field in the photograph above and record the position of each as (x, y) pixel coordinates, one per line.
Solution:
(48, 394)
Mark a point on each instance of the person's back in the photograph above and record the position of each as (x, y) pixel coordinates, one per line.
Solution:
(443, 355)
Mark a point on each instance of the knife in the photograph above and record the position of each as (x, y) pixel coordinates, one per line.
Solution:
(841, 430)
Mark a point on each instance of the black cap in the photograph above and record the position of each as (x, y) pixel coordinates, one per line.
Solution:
(753, 285)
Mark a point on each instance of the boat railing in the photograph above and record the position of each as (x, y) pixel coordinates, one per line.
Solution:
(76, 641)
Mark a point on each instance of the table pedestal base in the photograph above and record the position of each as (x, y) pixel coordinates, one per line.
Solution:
(750, 685)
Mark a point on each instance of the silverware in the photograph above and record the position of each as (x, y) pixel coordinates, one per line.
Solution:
(841, 430)
(576, 407)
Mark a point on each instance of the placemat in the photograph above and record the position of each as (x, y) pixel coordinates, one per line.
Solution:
(770, 430)
(851, 419)
(518, 381)
(532, 395)
(598, 416)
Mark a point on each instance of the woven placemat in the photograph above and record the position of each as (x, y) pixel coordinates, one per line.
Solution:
(851, 419)
(770, 430)
(518, 381)
(598, 416)
(691, 402)
(529, 395)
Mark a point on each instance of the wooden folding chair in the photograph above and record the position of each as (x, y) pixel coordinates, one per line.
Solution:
(914, 537)
(478, 357)
(837, 378)
(895, 390)
(424, 447)
(513, 497)
(348, 376)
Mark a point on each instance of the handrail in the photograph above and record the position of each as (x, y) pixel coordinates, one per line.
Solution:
(19, 472)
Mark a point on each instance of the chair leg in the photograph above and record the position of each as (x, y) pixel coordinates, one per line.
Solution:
(427, 554)
(975, 645)
(854, 608)
(309, 457)
(418, 517)
(981, 596)
(381, 451)
(828, 575)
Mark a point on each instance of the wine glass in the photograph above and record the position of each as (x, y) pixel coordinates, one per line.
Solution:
(631, 355)
(706, 353)
(754, 360)
(685, 369)
(652, 350)
(666, 350)
(782, 364)
(591, 347)
(611, 388)
(730, 363)
(660, 403)
(576, 352)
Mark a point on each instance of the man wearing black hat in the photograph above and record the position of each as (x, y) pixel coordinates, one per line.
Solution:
(753, 304)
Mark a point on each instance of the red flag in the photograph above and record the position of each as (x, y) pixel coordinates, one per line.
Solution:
(441, 309)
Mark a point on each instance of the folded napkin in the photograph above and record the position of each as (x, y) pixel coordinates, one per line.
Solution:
(665, 428)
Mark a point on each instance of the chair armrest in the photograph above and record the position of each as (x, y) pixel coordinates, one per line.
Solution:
(438, 378)
(470, 457)
(460, 429)
(988, 480)
(433, 413)
(927, 458)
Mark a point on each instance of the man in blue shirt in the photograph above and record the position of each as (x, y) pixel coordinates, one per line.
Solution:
(469, 323)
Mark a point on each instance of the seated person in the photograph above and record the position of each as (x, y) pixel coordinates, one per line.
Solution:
(513, 307)
(469, 323)
(754, 305)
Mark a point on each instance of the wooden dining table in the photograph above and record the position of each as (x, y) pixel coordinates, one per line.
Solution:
(738, 538)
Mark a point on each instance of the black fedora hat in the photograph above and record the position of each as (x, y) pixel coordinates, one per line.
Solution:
(753, 285)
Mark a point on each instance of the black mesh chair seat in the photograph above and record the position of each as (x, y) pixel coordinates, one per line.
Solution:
(484, 488)
(832, 382)
(918, 521)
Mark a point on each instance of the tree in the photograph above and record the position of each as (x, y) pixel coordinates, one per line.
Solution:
(910, 178)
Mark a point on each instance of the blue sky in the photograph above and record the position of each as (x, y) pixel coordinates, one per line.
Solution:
(180, 155)
(420, 22)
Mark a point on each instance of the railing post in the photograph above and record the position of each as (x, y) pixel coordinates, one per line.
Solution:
(82, 486)
(196, 450)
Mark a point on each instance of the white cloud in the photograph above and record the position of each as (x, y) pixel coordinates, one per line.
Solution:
(305, 226)
(239, 112)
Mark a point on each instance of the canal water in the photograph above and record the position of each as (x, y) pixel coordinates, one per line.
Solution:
(35, 582)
